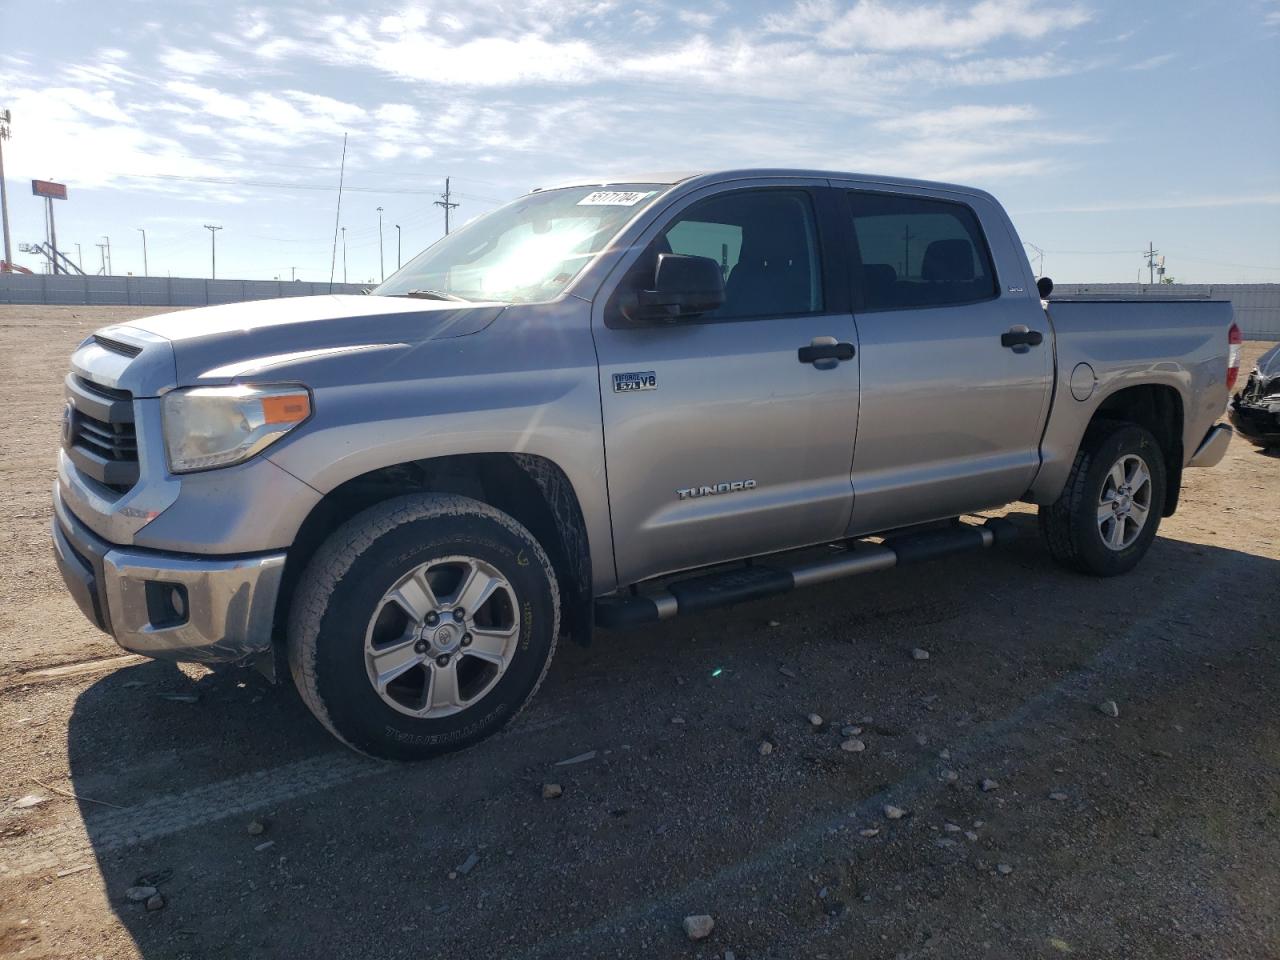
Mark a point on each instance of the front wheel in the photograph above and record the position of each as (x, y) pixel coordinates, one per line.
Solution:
(1110, 509)
(423, 625)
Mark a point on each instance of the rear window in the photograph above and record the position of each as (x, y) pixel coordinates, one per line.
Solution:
(918, 252)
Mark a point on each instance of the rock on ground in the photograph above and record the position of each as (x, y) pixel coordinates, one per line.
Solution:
(698, 926)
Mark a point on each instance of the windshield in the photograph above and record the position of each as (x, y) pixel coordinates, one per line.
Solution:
(526, 251)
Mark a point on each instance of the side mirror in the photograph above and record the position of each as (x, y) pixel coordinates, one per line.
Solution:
(683, 286)
(1045, 286)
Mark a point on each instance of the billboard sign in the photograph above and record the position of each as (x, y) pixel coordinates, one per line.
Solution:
(47, 188)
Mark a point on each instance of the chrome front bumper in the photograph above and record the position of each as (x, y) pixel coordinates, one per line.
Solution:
(166, 605)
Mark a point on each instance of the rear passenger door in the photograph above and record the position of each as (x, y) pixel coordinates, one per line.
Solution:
(724, 437)
(950, 416)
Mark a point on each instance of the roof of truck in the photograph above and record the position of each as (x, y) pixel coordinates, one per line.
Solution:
(720, 176)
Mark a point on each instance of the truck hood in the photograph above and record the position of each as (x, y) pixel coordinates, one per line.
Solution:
(276, 337)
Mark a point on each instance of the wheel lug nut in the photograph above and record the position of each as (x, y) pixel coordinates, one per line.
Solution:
(459, 614)
(432, 619)
(442, 660)
(466, 639)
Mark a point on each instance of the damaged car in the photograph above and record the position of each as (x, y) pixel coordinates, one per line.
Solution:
(1255, 410)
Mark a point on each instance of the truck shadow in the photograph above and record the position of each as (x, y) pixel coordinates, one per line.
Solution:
(360, 858)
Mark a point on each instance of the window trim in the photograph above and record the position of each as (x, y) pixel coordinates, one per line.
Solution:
(857, 288)
(826, 234)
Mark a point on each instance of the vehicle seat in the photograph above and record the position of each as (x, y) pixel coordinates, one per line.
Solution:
(878, 281)
(773, 274)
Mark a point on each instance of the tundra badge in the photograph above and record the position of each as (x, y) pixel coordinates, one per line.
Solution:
(688, 493)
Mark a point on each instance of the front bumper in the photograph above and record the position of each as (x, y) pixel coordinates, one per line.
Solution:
(169, 606)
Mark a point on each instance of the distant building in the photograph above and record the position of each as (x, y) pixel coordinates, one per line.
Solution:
(1256, 305)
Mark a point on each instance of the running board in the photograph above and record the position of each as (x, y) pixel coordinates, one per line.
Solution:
(763, 580)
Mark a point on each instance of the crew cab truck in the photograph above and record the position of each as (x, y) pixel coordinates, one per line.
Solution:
(608, 404)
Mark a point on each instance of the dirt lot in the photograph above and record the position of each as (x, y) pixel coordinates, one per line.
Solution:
(1155, 834)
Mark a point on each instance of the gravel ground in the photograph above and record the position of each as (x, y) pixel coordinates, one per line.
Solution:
(1151, 834)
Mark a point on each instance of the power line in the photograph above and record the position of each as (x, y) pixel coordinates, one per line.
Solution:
(279, 185)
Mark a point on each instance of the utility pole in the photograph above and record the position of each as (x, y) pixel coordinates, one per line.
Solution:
(79, 259)
(1151, 263)
(107, 264)
(145, 272)
(382, 266)
(293, 273)
(4, 194)
(102, 248)
(444, 202)
(397, 246)
(344, 254)
(213, 249)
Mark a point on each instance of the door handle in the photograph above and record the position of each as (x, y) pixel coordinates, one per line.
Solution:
(825, 348)
(1021, 338)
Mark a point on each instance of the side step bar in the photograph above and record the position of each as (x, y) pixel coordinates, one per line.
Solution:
(762, 580)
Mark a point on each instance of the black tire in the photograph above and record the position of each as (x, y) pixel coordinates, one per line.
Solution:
(344, 585)
(1070, 525)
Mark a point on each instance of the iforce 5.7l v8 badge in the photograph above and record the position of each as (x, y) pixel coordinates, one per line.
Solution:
(641, 380)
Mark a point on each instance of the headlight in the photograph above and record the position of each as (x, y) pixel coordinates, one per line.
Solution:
(207, 427)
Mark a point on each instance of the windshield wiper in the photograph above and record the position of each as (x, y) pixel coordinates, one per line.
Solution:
(434, 295)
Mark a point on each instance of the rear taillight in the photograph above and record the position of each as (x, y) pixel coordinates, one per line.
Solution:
(1234, 339)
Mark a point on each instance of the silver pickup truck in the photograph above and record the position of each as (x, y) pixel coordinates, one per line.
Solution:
(607, 404)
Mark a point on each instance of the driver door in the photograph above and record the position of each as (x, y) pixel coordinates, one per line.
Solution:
(721, 440)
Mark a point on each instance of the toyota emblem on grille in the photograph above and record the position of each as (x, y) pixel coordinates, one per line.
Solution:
(68, 421)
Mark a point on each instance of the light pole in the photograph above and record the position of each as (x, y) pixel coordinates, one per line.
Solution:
(213, 249)
(397, 246)
(106, 266)
(293, 273)
(145, 271)
(4, 196)
(79, 260)
(344, 254)
(382, 265)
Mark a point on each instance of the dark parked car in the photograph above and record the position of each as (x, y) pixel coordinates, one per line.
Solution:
(1255, 410)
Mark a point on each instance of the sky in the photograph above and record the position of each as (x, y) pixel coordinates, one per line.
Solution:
(1101, 126)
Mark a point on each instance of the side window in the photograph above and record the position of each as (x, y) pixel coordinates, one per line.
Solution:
(766, 243)
(918, 252)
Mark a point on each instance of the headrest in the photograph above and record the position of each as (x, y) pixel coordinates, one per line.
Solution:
(948, 261)
(879, 275)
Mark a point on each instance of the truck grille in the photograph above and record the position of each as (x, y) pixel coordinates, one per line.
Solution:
(100, 436)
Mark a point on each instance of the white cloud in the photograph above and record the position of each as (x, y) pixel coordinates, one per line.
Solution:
(1150, 63)
(876, 25)
(195, 63)
(698, 19)
(958, 119)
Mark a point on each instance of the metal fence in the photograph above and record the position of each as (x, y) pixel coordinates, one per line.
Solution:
(1256, 305)
(154, 291)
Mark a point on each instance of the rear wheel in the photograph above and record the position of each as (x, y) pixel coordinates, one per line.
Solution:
(423, 625)
(1110, 509)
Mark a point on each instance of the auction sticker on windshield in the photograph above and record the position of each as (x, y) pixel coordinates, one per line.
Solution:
(614, 198)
